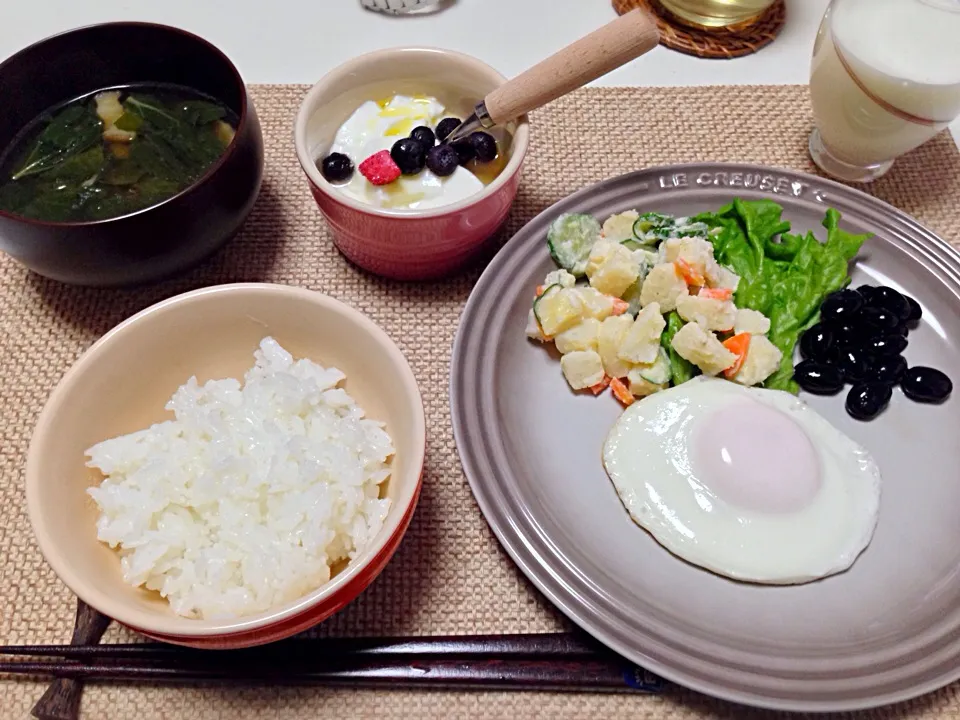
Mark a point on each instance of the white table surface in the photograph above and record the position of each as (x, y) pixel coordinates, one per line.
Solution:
(296, 41)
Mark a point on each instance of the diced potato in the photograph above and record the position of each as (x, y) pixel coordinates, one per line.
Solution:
(642, 340)
(619, 227)
(559, 310)
(721, 277)
(611, 268)
(698, 252)
(582, 369)
(646, 259)
(595, 303)
(640, 386)
(583, 336)
(559, 277)
(703, 349)
(612, 332)
(533, 330)
(658, 372)
(663, 286)
(763, 358)
(109, 108)
(712, 314)
(751, 321)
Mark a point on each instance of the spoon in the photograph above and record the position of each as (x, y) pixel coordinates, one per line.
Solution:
(605, 49)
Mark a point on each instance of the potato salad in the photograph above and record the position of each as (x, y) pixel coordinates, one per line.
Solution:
(640, 303)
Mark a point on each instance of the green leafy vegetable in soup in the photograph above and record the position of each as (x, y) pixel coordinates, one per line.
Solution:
(112, 153)
(784, 276)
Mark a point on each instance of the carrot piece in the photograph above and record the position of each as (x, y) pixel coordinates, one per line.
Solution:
(738, 345)
(690, 274)
(600, 386)
(620, 306)
(621, 392)
(540, 289)
(715, 293)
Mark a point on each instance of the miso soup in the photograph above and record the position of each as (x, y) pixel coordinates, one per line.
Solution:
(113, 152)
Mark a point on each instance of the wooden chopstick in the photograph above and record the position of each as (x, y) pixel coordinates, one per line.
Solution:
(561, 645)
(513, 662)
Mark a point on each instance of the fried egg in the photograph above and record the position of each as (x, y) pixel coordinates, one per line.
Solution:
(374, 127)
(750, 483)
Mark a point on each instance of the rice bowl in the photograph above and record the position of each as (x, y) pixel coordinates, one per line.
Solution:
(250, 497)
(121, 384)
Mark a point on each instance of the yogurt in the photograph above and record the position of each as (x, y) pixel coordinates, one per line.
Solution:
(376, 126)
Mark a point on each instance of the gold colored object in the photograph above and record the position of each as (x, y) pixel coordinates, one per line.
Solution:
(712, 14)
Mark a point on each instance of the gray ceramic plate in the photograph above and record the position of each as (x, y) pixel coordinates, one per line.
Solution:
(886, 630)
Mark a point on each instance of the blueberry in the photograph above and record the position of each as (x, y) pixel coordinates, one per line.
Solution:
(424, 136)
(886, 345)
(925, 384)
(447, 126)
(841, 305)
(816, 343)
(818, 378)
(409, 156)
(442, 160)
(852, 362)
(484, 146)
(336, 167)
(889, 370)
(916, 312)
(465, 151)
(867, 400)
(889, 299)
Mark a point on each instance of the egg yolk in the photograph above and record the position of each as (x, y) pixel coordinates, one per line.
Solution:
(755, 457)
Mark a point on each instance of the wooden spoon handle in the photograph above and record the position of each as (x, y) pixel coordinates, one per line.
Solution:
(616, 43)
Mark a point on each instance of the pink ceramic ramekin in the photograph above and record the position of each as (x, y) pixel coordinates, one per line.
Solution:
(405, 244)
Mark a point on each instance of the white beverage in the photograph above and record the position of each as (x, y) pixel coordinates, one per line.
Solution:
(885, 76)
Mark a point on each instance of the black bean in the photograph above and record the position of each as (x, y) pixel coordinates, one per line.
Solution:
(849, 333)
(867, 400)
(886, 345)
(852, 362)
(889, 299)
(816, 343)
(888, 370)
(841, 305)
(818, 378)
(916, 312)
(867, 292)
(926, 384)
(879, 317)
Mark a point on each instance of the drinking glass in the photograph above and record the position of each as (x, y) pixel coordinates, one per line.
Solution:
(717, 13)
(885, 78)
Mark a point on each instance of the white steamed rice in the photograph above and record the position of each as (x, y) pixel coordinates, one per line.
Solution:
(248, 497)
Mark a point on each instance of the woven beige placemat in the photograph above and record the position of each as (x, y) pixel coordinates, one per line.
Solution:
(449, 575)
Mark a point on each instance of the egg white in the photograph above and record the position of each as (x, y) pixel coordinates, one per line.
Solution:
(648, 457)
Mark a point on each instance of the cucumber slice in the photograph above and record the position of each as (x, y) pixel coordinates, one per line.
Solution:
(658, 372)
(536, 303)
(570, 239)
(632, 297)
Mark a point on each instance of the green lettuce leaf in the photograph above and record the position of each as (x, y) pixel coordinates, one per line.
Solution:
(784, 276)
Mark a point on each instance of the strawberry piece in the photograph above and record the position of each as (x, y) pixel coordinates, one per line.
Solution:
(379, 168)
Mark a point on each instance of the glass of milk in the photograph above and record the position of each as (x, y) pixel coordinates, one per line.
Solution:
(885, 78)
